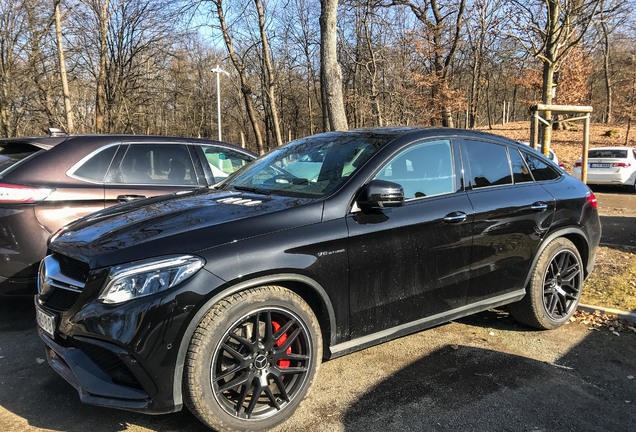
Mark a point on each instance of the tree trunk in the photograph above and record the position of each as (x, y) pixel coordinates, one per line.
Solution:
(270, 79)
(606, 73)
(246, 90)
(60, 52)
(100, 88)
(331, 73)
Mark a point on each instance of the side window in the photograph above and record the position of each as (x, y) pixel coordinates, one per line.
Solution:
(94, 169)
(224, 162)
(520, 171)
(489, 164)
(167, 164)
(422, 170)
(540, 170)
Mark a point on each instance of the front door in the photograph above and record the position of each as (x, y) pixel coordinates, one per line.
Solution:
(412, 261)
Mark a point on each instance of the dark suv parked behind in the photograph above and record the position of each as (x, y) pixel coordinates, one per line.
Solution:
(227, 299)
(46, 182)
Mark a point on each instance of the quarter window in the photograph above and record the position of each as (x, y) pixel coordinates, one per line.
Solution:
(168, 164)
(540, 170)
(489, 164)
(422, 170)
(95, 168)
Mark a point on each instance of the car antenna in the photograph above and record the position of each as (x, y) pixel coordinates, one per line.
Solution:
(56, 132)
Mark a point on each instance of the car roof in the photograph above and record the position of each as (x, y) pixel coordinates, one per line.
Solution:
(90, 140)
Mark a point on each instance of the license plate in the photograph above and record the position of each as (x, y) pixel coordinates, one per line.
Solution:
(599, 165)
(46, 321)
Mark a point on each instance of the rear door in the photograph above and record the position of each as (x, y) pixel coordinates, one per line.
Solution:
(512, 214)
(142, 170)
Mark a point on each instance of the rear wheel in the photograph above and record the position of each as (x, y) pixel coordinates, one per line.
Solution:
(252, 359)
(554, 289)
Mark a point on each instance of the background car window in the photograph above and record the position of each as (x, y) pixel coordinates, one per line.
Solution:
(224, 162)
(154, 164)
(520, 171)
(422, 170)
(539, 169)
(489, 164)
(95, 168)
(607, 153)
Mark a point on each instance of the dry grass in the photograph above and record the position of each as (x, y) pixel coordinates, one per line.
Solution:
(613, 282)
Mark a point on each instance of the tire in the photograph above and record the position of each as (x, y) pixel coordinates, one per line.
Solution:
(228, 362)
(554, 289)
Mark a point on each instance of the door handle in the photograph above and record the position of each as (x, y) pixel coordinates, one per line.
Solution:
(127, 198)
(455, 217)
(539, 206)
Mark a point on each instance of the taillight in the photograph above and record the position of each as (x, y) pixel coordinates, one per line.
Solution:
(10, 193)
(590, 198)
(577, 164)
(621, 165)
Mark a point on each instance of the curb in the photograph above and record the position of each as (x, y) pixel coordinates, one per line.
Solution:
(618, 246)
(629, 316)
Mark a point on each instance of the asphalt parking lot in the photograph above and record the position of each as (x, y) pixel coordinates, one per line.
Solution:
(482, 373)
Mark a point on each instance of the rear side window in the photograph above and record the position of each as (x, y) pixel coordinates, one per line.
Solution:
(95, 168)
(13, 152)
(612, 154)
(166, 164)
(489, 164)
(540, 170)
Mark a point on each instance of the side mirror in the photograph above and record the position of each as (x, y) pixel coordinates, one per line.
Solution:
(381, 194)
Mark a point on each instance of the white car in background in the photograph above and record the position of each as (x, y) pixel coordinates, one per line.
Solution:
(610, 166)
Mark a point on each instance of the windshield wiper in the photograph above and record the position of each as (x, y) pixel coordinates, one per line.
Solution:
(251, 189)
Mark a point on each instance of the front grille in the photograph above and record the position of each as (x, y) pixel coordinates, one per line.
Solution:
(109, 362)
(72, 268)
(61, 299)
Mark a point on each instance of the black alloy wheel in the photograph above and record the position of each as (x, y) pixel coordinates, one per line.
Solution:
(261, 363)
(562, 285)
(252, 359)
(554, 290)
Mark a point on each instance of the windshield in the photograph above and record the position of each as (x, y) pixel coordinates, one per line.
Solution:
(607, 153)
(309, 167)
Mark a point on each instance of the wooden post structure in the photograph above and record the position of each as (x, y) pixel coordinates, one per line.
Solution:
(561, 109)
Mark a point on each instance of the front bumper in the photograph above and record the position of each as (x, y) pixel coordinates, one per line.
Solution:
(123, 356)
(93, 384)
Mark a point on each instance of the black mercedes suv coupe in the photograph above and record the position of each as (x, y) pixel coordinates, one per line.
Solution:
(227, 298)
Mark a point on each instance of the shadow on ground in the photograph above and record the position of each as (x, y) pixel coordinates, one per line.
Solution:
(461, 387)
(618, 230)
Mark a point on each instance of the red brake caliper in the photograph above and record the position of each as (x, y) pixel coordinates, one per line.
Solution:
(283, 364)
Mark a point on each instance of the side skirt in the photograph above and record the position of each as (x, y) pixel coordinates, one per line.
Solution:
(421, 324)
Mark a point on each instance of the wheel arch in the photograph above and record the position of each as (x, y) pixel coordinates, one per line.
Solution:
(310, 291)
(576, 236)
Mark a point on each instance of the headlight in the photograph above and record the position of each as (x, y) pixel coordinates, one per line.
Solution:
(142, 278)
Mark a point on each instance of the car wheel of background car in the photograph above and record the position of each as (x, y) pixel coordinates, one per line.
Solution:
(252, 359)
(554, 289)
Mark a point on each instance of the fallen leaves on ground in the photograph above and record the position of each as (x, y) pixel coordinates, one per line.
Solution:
(597, 320)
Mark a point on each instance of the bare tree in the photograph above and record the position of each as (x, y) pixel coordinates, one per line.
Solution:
(549, 29)
(62, 65)
(330, 72)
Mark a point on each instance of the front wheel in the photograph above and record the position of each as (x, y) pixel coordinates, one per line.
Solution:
(554, 289)
(252, 359)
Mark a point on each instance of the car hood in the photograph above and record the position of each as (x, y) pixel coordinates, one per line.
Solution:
(187, 222)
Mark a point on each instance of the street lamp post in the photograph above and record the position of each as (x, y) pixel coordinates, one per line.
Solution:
(218, 71)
